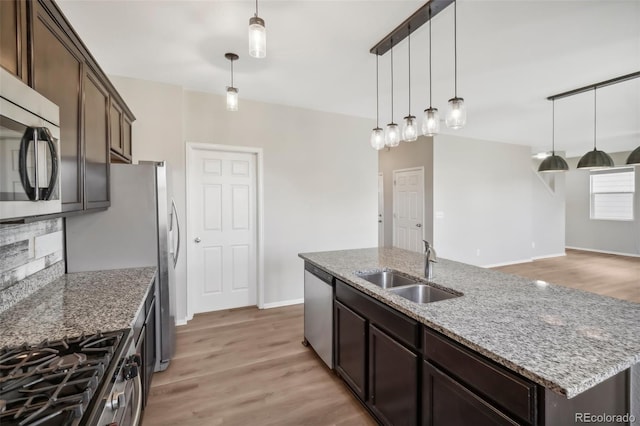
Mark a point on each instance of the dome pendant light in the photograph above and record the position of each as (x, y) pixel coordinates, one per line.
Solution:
(457, 113)
(553, 163)
(431, 120)
(410, 125)
(634, 157)
(232, 92)
(257, 36)
(392, 135)
(377, 134)
(595, 159)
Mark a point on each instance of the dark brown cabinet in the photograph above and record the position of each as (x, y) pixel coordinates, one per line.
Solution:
(393, 380)
(57, 74)
(446, 402)
(351, 345)
(379, 366)
(13, 38)
(39, 46)
(95, 128)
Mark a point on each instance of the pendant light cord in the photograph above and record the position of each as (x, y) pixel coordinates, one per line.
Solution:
(377, 94)
(430, 77)
(553, 127)
(392, 81)
(409, 41)
(455, 49)
(595, 117)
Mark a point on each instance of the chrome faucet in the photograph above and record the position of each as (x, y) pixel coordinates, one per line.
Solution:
(429, 260)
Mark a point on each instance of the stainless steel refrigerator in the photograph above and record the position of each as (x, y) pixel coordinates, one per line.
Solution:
(139, 229)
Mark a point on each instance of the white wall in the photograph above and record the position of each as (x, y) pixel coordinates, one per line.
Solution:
(320, 174)
(482, 189)
(612, 236)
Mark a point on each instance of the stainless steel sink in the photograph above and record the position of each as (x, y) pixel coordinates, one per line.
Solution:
(387, 279)
(422, 293)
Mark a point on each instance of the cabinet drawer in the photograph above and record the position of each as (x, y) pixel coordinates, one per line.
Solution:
(512, 393)
(398, 325)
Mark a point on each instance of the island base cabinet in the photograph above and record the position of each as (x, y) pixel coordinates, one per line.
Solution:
(446, 402)
(351, 345)
(393, 380)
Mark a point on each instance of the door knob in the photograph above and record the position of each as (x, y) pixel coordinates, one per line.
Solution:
(197, 239)
(418, 225)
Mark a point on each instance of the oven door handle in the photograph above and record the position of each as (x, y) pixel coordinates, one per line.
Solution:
(137, 388)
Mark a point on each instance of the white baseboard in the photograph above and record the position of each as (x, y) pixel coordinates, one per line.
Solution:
(605, 251)
(282, 303)
(514, 262)
(549, 256)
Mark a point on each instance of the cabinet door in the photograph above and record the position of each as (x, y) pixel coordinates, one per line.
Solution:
(13, 38)
(126, 138)
(115, 124)
(393, 380)
(57, 74)
(96, 141)
(149, 352)
(445, 402)
(351, 348)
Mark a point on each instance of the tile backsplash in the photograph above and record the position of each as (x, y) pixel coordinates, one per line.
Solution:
(29, 248)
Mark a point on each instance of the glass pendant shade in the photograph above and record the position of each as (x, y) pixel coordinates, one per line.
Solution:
(377, 139)
(457, 114)
(257, 38)
(553, 163)
(392, 135)
(410, 129)
(634, 157)
(595, 160)
(232, 99)
(431, 122)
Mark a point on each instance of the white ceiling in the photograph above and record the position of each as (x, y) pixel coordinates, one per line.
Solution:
(512, 54)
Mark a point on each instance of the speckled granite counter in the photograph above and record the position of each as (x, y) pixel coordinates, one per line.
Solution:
(77, 303)
(564, 339)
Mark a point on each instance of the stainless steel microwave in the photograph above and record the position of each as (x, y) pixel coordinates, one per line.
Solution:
(29, 151)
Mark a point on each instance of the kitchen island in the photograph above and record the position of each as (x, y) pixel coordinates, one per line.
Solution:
(566, 349)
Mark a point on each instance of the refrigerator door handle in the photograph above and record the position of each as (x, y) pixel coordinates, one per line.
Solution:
(174, 214)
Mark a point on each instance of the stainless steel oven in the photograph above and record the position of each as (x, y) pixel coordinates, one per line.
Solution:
(29, 151)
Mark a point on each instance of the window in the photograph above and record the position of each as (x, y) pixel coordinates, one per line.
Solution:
(612, 194)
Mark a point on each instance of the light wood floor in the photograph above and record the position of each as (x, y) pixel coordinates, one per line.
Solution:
(248, 367)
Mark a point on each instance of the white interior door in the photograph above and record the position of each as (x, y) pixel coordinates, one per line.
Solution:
(380, 210)
(408, 205)
(222, 204)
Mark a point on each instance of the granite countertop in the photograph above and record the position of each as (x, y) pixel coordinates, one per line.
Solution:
(83, 302)
(564, 339)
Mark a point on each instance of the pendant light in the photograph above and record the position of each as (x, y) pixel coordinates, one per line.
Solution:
(257, 36)
(410, 125)
(595, 159)
(232, 92)
(431, 119)
(457, 113)
(553, 163)
(377, 134)
(392, 135)
(634, 157)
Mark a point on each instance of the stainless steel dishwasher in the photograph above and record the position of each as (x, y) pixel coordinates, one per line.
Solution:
(318, 312)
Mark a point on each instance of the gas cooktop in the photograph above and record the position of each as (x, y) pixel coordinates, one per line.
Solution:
(56, 383)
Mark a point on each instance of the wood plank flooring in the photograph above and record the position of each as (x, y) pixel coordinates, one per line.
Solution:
(605, 274)
(248, 367)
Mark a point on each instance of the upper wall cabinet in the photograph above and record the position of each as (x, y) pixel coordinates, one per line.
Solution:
(13, 38)
(40, 46)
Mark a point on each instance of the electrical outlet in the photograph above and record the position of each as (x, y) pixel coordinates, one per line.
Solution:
(477, 252)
